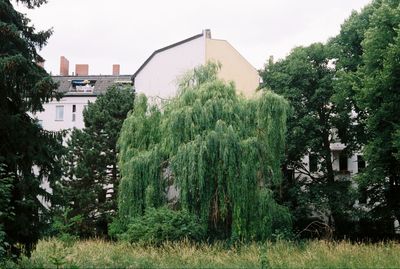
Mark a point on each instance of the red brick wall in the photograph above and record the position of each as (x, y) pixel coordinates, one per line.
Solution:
(115, 70)
(81, 69)
(64, 66)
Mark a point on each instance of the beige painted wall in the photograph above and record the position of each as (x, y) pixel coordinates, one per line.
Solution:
(234, 66)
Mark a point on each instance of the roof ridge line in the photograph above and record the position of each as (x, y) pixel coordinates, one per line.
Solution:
(163, 49)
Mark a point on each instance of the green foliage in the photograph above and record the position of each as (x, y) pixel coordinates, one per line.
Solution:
(306, 78)
(222, 154)
(91, 163)
(369, 47)
(65, 227)
(280, 254)
(162, 224)
(116, 228)
(380, 97)
(24, 87)
(58, 256)
(264, 263)
(3, 244)
(6, 212)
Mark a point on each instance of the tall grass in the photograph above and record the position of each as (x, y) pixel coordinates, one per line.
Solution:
(312, 254)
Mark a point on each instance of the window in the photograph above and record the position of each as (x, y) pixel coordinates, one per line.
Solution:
(59, 113)
(73, 112)
(82, 85)
(313, 163)
(343, 162)
(360, 163)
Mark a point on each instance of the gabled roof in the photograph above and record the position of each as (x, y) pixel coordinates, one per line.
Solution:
(101, 84)
(163, 49)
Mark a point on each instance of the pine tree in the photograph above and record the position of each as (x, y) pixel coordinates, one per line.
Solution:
(24, 87)
(90, 189)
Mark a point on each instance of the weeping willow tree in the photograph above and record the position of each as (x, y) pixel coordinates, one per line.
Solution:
(219, 151)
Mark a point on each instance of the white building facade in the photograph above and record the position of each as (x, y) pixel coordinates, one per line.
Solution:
(159, 75)
(78, 92)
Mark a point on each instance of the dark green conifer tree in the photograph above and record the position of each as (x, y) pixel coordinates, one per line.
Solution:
(24, 87)
(90, 189)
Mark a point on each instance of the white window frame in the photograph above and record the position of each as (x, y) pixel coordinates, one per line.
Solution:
(58, 118)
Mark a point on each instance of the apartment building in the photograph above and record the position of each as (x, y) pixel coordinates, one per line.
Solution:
(158, 76)
(79, 89)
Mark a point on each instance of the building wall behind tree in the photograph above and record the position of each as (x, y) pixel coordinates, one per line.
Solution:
(159, 77)
(234, 66)
(48, 117)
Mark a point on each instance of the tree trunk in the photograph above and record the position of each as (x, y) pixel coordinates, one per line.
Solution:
(328, 158)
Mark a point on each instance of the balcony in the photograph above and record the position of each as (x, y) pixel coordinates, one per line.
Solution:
(82, 86)
(343, 175)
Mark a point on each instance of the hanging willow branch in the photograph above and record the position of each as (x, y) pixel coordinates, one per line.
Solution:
(224, 153)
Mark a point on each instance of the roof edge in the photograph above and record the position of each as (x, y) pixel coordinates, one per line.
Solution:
(89, 76)
(163, 49)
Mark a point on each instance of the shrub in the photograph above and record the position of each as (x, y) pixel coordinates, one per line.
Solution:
(163, 224)
(116, 228)
(3, 244)
(64, 227)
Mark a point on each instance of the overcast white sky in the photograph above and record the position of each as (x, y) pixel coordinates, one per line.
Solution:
(103, 32)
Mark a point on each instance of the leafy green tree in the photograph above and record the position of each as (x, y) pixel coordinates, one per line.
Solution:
(347, 50)
(92, 173)
(379, 97)
(306, 78)
(24, 87)
(209, 152)
(367, 50)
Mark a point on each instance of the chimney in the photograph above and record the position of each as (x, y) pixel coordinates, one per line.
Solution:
(81, 69)
(207, 33)
(64, 66)
(115, 70)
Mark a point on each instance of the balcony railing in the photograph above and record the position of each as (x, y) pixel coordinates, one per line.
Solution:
(342, 175)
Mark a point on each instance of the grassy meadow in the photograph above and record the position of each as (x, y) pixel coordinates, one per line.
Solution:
(52, 253)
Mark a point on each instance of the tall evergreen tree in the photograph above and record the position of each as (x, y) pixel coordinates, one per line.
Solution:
(5, 208)
(24, 87)
(90, 189)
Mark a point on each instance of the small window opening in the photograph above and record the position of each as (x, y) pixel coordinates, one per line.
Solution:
(360, 163)
(313, 163)
(343, 162)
